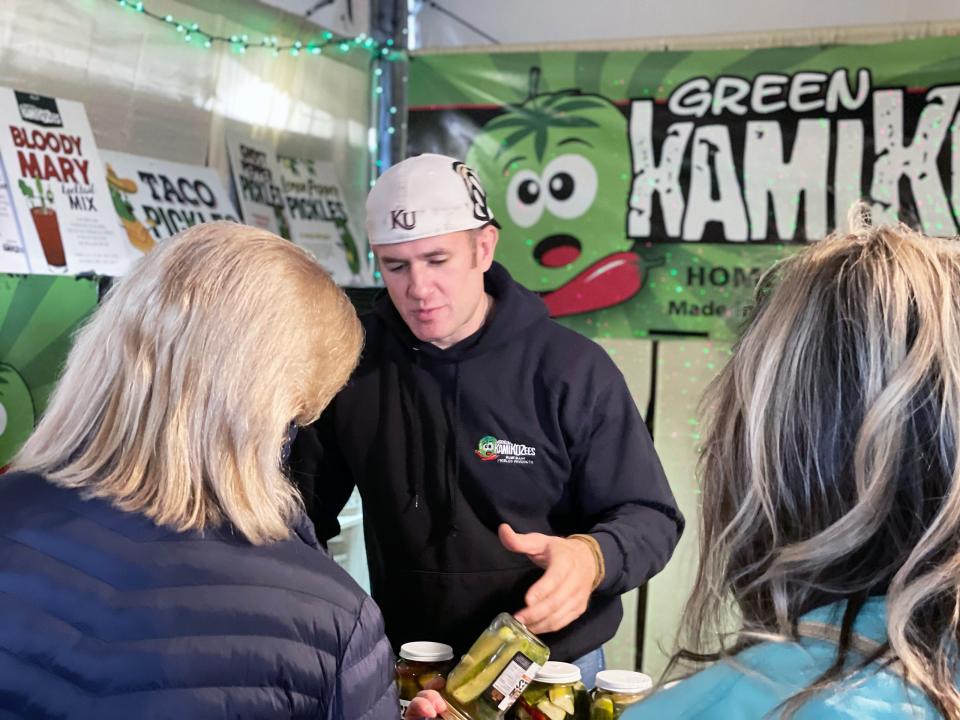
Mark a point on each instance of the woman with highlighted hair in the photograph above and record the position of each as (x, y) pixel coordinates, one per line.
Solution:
(155, 561)
(830, 528)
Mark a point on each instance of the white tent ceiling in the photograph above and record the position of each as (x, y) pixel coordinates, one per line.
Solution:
(577, 21)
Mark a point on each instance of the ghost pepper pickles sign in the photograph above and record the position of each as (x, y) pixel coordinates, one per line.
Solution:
(644, 193)
(58, 188)
(38, 317)
(257, 185)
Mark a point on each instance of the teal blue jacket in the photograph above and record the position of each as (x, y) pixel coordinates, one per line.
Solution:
(754, 684)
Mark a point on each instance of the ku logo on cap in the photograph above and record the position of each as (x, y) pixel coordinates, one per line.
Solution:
(403, 219)
(480, 209)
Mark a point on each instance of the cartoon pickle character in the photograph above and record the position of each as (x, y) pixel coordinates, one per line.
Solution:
(558, 171)
(487, 448)
(17, 414)
(138, 235)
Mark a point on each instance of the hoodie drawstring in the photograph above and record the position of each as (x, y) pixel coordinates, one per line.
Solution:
(453, 478)
(415, 423)
(414, 420)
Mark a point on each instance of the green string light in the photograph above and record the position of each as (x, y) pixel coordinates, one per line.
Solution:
(240, 43)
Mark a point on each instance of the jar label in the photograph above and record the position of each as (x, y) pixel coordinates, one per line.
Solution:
(404, 704)
(514, 679)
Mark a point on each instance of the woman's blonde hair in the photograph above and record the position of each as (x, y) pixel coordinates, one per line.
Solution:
(830, 461)
(178, 392)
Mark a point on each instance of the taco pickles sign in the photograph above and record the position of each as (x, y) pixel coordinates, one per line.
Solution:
(644, 193)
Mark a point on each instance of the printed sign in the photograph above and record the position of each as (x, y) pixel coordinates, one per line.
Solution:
(320, 222)
(256, 181)
(156, 199)
(642, 193)
(58, 187)
(13, 257)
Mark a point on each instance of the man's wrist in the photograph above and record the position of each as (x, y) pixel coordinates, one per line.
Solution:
(597, 553)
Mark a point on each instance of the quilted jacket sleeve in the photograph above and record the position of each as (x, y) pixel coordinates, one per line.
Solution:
(365, 681)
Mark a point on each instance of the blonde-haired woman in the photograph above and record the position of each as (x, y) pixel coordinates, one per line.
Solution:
(830, 498)
(154, 559)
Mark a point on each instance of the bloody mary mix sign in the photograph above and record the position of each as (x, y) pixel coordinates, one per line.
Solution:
(58, 187)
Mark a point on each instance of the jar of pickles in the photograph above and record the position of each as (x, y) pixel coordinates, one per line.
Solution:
(557, 693)
(616, 690)
(419, 663)
(495, 671)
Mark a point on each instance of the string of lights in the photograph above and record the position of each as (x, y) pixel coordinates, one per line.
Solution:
(195, 35)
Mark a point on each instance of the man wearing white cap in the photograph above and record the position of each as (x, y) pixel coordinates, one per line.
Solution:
(501, 460)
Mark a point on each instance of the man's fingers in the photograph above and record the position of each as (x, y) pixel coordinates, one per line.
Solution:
(544, 597)
(427, 704)
(548, 586)
(562, 616)
(527, 543)
(554, 622)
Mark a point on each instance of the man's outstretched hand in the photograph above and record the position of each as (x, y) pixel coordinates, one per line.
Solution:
(562, 594)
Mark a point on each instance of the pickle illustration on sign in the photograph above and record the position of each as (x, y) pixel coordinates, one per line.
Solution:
(120, 189)
(557, 171)
(349, 244)
(44, 215)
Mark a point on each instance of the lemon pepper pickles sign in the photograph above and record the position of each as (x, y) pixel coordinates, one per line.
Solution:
(643, 194)
(57, 187)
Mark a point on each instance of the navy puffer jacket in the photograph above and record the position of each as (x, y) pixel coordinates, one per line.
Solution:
(105, 615)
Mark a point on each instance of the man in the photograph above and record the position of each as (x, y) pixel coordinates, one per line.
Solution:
(501, 461)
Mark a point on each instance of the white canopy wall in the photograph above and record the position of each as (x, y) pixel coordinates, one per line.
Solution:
(147, 92)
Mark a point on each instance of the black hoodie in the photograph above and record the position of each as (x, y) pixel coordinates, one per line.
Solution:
(525, 422)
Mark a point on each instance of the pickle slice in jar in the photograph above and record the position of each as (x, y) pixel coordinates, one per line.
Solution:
(475, 660)
(535, 693)
(471, 689)
(407, 687)
(602, 709)
(551, 711)
(426, 678)
(562, 697)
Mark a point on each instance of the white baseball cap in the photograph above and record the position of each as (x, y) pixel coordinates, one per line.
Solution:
(424, 196)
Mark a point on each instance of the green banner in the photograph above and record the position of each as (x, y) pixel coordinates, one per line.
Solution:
(642, 193)
(38, 316)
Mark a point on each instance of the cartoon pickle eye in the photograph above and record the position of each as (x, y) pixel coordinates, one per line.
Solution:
(525, 198)
(528, 192)
(561, 186)
(572, 184)
(3, 419)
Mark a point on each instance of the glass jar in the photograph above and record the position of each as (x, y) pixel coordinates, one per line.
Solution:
(616, 690)
(419, 663)
(498, 667)
(557, 693)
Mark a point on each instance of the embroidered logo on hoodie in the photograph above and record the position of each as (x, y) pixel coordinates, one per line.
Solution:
(503, 451)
